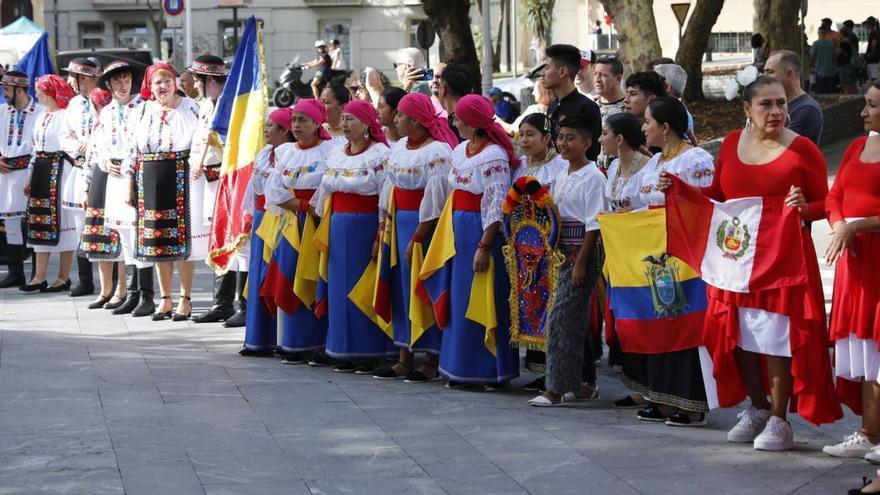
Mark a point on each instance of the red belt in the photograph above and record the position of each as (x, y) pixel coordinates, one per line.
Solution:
(466, 201)
(261, 202)
(344, 202)
(304, 194)
(408, 199)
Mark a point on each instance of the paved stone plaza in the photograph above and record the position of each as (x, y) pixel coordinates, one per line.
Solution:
(92, 404)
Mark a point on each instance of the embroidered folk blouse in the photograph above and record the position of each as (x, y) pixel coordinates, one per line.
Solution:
(423, 168)
(486, 173)
(362, 174)
(695, 167)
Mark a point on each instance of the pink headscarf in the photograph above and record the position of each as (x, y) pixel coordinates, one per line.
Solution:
(477, 111)
(281, 116)
(316, 111)
(54, 86)
(365, 112)
(146, 92)
(420, 107)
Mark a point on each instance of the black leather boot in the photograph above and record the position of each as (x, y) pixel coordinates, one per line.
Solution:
(224, 295)
(86, 284)
(147, 305)
(15, 258)
(240, 317)
(131, 293)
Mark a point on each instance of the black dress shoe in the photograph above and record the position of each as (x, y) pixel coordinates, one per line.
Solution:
(214, 315)
(113, 305)
(239, 319)
(34, 287)
(180, 316)
(100, 302)
(161, 316)
(536, 385)
(651, 413)
(145, 308)
(252, 353)
(82, 290)
(61, 288)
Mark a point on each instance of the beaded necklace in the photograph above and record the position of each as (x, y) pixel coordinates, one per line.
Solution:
(16, 124)
(47, 119)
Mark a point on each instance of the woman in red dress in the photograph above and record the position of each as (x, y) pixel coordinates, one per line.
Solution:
(782, 328)
(853, 206)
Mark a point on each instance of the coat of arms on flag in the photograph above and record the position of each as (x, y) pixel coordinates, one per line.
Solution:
(732, 238)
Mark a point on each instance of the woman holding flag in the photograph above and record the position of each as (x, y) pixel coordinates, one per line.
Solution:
(852, 207)
(261, 327)
(779, 329)
(291, 278)
(413, 196)
(464, 270)
(168, 200)
(348, 238)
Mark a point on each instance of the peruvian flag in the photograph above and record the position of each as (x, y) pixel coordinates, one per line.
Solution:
(741, 245)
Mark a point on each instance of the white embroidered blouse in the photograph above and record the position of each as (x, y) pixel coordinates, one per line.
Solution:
(546, 173)
(19, 126)
(80, 119)
(580, 195)
(423, 168)
(155, 129)
(695, 167)
(362, 174)
(622, 193)
(486, 173)
(112, 138)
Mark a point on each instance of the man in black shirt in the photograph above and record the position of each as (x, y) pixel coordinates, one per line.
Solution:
(325, 63)
(563, 64)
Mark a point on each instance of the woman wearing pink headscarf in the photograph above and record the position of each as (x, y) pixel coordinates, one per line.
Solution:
(168, 202)
(464, 261)
(261, 325)
(348, 204)
(298, 173)
(413, 197)
(51, 217)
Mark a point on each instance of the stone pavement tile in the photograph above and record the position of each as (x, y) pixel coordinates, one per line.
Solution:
(489, 484)
(48, 380)
(122, 372)
(433, 448)
(466, 468)
(139, 446)
(198, 392)
(171, 477)
(413, 485)
(848, 475)
(654, 481)
(296, 487)
(284, 393)
(347, 461)
(50, 414)
(91, 481)
(235, 466)
(246, 437)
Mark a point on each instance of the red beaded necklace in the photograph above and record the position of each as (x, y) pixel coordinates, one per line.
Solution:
(414, 144)
(365, 148)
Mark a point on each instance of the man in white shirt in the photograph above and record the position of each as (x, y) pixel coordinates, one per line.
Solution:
(337, 57)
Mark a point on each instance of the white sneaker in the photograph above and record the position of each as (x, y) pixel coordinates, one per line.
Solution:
(751, 423)
(777, 435)
(855, 445)
(873, 455)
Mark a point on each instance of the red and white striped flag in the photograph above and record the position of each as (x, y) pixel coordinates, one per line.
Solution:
(741, 245)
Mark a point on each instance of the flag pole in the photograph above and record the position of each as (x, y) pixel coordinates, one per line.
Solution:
(189, 37)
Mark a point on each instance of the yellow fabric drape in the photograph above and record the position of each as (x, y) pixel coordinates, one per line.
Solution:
(481, 305)
(305, 280)
(268, 231)
(290, 229)
(421, 315)
(442, 247)
(362, 296)
(322, 238)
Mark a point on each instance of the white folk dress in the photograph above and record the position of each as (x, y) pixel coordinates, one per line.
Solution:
(423, 168)
(47, 138)
(16, 141)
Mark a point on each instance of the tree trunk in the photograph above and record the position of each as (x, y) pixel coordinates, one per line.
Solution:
(636, 32)
(779, 22)
(452, 21)
(694, 43)
(496, 54)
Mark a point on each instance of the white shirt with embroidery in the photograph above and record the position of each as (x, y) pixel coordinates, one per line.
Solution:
(362, 174)
(621, 193)
(424, 168)
(18, 128)
(580, 195)
(112, 136)
(80, 119)
(695, 167)
(546, 173)
(155, 129)
(304, 169)
(486, 173)
(263, 166)
(213, 154)
(50, 132)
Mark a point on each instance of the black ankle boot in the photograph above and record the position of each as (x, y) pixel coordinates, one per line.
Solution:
(15, 260)
(239, 319)
(147, 305)
(224, 295)
(131, 296)
(86, 284)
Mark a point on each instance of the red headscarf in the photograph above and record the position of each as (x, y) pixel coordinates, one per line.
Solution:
(54, 86)
(281, 117)
(100, 98)
(146, 92)
(477, 111)
(419, 106)
(365, 112)
(316, 111)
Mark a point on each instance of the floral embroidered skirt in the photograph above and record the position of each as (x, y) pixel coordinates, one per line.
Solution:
(163, 204)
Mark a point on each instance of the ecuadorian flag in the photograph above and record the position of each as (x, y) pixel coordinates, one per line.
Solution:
(658, 302)
(241, 115)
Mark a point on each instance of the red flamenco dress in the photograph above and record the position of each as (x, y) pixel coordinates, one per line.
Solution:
(855, 308)
(814, 399)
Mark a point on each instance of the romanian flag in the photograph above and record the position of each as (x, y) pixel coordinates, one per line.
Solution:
(658, 301)
(239, 121)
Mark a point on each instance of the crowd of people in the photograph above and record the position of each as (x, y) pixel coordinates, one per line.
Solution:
(379, 244)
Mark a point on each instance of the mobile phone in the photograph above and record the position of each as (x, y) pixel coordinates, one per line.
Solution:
(428, 74)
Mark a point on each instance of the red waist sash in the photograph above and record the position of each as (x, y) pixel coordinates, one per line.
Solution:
(344, 202)
(260, 202)
(408, 199)
(466, 201)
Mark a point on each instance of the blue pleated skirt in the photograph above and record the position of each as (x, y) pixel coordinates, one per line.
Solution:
(350, 334)
(406, 222)
(261, 328)
(464, 356)
(302, 331)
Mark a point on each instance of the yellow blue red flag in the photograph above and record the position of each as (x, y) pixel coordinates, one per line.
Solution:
(239, 121)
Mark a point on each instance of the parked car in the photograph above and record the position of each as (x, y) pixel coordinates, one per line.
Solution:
(139, 59)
